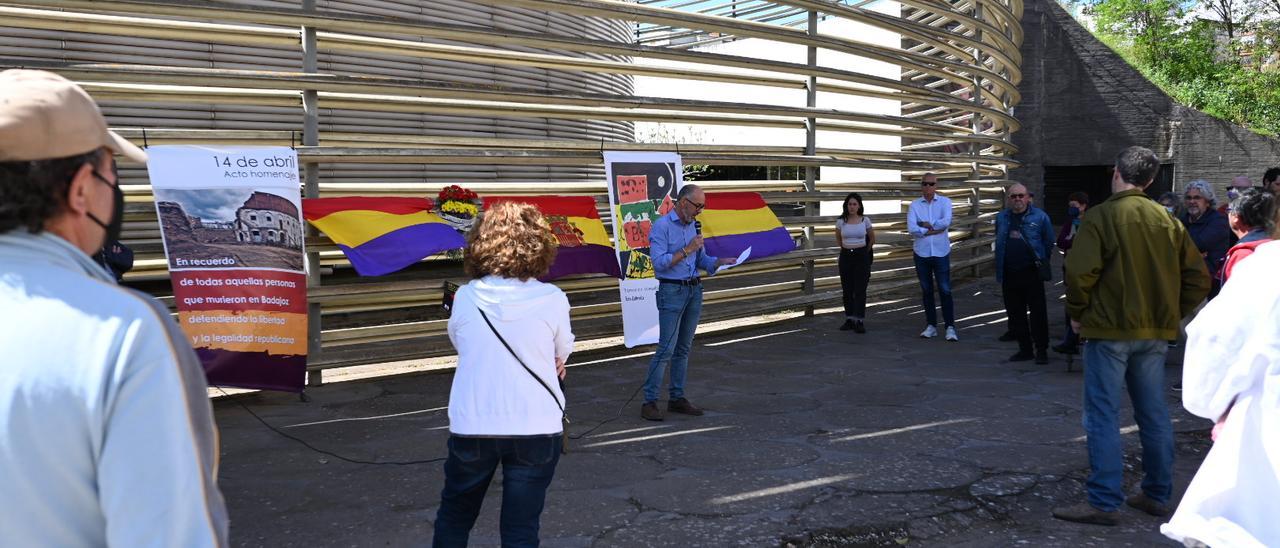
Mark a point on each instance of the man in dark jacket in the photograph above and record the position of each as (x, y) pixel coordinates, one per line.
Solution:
(1077, 203)
(1132, 275)
(116, 257)
(1208, 228)
(1024, 238)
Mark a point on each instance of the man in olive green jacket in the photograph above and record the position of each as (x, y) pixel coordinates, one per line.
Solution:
(1132, 275)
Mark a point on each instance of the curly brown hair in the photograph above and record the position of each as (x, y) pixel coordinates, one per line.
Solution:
(511, 240)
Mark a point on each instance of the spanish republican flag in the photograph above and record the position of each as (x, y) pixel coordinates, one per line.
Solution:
(381, 235)
(734, 221)
(584, 245)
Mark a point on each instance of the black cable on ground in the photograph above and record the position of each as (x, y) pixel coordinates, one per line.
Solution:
(615, 417)
(306, 444)
(322, 451)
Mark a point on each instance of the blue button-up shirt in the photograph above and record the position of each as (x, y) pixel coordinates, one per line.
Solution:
(667, 236)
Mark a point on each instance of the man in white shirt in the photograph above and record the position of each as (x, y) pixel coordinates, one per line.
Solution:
(106, 433)
(927, 221)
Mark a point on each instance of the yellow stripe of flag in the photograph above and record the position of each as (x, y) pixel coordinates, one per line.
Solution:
(354, 227)
(592, 230)
(726, 222)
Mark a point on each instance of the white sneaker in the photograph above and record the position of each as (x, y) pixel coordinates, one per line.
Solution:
(929, 332)
(951, 334)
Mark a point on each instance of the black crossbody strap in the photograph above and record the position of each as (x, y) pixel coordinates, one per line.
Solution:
(517, 357)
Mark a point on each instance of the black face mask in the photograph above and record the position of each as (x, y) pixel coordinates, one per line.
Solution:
(117, 211)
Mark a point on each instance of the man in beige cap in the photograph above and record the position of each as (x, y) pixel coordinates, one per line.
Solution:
(106, 433)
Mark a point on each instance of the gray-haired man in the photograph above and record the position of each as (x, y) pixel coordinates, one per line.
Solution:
(106, 434)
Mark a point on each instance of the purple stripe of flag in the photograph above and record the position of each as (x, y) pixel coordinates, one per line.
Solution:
(763, 244)
(400, 248)
(587, 259)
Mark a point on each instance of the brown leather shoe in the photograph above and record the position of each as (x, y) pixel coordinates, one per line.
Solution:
(1147, 504)
(650, 412)
(1086, 513)
(684, 406)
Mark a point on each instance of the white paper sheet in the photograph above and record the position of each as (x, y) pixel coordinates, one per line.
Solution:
(741, 259)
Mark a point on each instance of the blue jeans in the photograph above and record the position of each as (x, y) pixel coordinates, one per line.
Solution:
(679, 307)
(927, 269)
(1109, 367)
(528, 464)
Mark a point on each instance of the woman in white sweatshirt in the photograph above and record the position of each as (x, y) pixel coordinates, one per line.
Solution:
(1231, 374)
(503, 411)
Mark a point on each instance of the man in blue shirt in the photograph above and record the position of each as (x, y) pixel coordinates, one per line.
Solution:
(675, 246)
(928, 221)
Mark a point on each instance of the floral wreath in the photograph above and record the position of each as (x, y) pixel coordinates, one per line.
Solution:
(458, 206)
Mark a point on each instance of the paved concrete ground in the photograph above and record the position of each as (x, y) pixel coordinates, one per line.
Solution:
(813, 436)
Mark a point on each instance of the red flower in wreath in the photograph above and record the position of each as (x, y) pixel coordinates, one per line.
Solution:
(458, 194)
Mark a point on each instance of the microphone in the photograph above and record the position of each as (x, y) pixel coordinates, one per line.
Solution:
(697, 226)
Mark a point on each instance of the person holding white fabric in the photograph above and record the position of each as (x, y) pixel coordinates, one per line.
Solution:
(513, 337)
(1231, 374)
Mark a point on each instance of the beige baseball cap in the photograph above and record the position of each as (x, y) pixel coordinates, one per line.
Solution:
(45, 116)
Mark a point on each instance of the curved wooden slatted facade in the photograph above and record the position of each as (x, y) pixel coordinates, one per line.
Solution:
(521, 96)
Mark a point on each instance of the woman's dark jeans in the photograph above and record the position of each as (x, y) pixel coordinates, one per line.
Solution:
(528, 464)
(855, 273)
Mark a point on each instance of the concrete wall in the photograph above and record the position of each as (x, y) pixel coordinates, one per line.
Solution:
(1082, 103)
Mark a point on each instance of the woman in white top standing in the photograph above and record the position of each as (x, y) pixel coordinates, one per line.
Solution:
(513, 337)
(855, 237)
(1231, 374)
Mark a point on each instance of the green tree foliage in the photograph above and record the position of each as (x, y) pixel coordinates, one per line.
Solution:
(1187, 63)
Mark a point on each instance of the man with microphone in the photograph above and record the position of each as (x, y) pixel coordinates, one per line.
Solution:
(675, 244)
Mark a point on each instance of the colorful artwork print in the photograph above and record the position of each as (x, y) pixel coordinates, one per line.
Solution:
(642, 193)
(632, 189)
(637, 221)
(641, 266)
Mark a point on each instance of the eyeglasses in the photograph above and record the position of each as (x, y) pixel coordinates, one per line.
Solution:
(696, 205)
(927, 183)
(1016, 196)
(1193, 198)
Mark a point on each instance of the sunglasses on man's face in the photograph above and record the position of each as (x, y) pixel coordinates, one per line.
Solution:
(927, 183)
(1017, 196)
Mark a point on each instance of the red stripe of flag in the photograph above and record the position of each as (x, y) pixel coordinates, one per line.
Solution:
(319, 208)
(734, 200)
(569, 206)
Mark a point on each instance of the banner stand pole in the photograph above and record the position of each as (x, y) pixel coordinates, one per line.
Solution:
(311, 189)
(810, 148)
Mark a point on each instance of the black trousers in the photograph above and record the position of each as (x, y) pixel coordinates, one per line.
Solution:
(855, 273)
(1024, 291)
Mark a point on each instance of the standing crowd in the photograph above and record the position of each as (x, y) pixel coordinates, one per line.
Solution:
(109, 439)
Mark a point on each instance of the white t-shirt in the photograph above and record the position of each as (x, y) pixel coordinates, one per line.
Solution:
(853, 235)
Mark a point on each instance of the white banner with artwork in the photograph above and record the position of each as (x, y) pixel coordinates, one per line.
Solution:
(642, 187)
